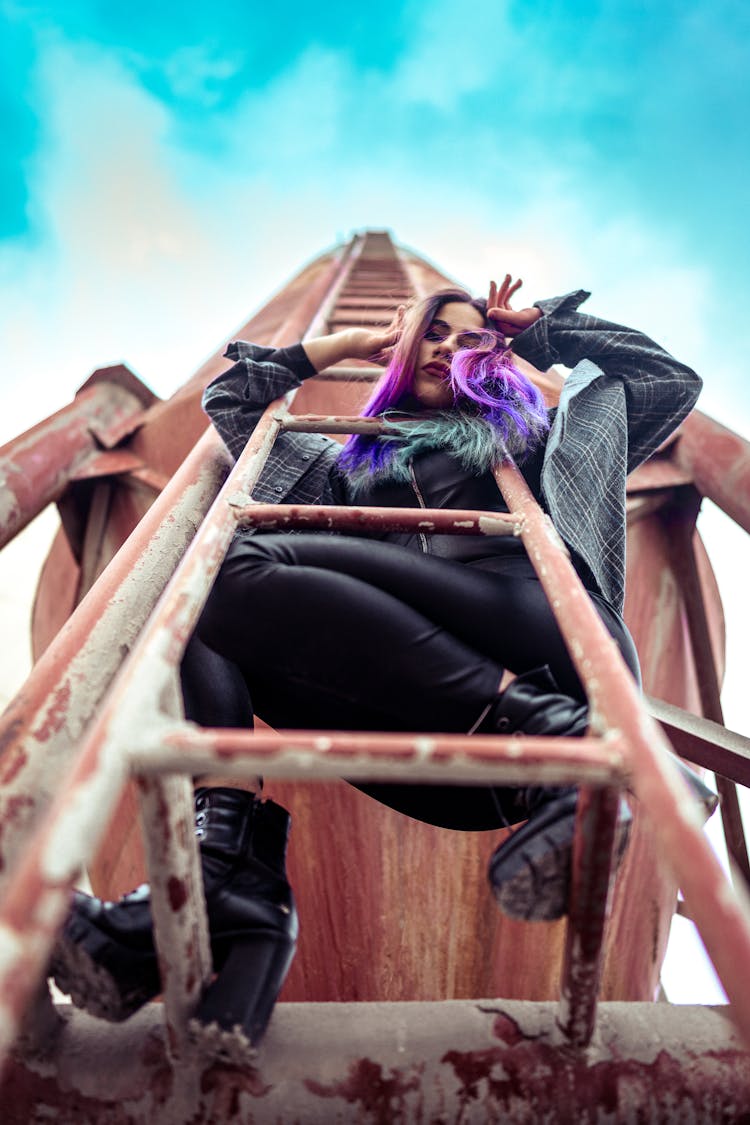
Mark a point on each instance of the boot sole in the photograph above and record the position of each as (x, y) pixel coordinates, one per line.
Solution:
(79, 966)
(530, 873)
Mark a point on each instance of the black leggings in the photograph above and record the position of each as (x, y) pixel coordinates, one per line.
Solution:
(332, 632)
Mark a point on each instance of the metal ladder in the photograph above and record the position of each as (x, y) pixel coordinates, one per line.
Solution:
(625, 748)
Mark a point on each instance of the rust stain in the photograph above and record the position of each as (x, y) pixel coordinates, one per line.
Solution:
(226, 1083)
(381, 1096)
(508, 1030)
(13, 810)
(497, 1078)
(9, 750)
(154, 1059)
(25, 1101)
(56, 713)
(176, 892)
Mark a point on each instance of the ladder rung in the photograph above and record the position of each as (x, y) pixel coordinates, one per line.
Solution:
(333, 424)
(351, 374)
(428, 521)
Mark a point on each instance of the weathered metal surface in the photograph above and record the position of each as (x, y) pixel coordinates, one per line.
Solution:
(590, 898)
(681, 522)
(36, 467)
(453, 521)
(464, 1062)
(718, 462)
(478, 759)
(42, 728)
(36, 896)
(704, 742)
(177, 902)
(722, 917)
(334, 424)
(39, 729)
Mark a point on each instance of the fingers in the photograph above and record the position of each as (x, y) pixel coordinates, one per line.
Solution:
(498, 301)
(506, 290)
(513, 289)
(397, 323)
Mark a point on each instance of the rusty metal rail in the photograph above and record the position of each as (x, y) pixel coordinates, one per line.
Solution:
(36, 466)
(626, 747)
(37, 898)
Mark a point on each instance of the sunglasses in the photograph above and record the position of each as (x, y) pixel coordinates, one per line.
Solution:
(439, 331)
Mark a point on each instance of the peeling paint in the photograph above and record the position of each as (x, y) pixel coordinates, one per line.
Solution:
(492, 526)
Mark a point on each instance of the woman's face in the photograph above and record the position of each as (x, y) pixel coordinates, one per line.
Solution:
(454, 326)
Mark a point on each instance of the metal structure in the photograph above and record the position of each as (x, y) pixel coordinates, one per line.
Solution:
(103, 707)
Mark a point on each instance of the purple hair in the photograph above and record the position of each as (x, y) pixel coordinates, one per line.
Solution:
(484, 379)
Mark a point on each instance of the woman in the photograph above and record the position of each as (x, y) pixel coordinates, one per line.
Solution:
(407, 633)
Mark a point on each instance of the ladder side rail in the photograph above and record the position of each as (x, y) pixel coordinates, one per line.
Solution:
(722, 917)
(592, 882)
(55, 705)
(61, 665)
(51, 712)
(682, 519)
(37, 466)
(718, 462)
(103, 754)
(704, 742)
(37, 895)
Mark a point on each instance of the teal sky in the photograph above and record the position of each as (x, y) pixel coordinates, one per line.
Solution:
(165, 168)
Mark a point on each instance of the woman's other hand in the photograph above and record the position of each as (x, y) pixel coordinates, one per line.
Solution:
(506, 319)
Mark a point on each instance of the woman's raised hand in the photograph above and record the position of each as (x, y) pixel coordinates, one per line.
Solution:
(507, 320)
(376, 344)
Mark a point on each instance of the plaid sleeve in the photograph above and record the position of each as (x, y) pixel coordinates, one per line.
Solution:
(659, 390)
(236, 399)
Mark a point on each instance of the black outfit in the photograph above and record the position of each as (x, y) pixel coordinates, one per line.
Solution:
(346, 632)
(355, 635)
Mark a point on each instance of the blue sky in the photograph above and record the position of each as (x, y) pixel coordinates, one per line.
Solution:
(164, 168)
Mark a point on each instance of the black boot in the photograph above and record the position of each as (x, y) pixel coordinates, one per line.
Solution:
(530, 871)
(105, 958)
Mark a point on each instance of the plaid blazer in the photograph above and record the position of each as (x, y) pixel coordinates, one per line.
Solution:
(622, 399)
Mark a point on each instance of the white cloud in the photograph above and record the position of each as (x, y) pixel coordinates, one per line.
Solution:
(195, 73)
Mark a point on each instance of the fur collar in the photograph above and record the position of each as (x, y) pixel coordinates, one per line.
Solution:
(476, 444)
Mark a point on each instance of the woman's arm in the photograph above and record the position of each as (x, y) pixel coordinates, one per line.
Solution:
(659, 391)
(236, 399)
(374, 344)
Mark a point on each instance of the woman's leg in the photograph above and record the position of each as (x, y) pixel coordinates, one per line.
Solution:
(351, 634)
(340, 624)
(502, 618)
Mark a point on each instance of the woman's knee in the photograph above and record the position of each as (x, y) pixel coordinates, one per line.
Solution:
(240, 589)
